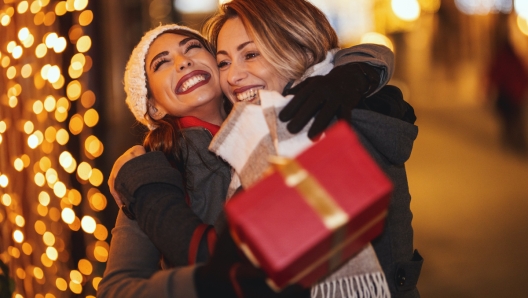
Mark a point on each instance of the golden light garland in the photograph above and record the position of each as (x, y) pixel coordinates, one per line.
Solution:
(48, 193)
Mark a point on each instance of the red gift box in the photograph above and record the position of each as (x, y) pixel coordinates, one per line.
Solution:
(312, 214)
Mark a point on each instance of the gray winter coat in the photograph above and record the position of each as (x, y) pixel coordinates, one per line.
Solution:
(389, 141)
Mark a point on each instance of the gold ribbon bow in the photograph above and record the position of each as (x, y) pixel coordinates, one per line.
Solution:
(315, 195)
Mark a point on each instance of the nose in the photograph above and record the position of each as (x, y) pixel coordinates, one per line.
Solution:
(236, 73)
(182, 63)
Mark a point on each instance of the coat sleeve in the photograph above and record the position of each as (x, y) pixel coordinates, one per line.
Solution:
(133, 267)
(376, 55)
(153, 193)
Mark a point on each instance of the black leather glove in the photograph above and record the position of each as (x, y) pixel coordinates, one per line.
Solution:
(228, 274)
(325, 97)
(389, 101)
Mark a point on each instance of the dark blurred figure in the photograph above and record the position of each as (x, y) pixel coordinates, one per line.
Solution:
(508, 83)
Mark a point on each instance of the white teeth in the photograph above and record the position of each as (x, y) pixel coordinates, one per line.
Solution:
(191, 82)
(247, 95)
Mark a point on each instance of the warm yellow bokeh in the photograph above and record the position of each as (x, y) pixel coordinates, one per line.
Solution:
(76, 124)
(27, 248)
(74, 197)
(41, 50)
(76, 276)
(50, 134)
(101, 232)
(44, 198)
(74, 90)
(84, 43)
(91, 117)
(40, 227)
(38, 273)
(61, 284)
(68, 215)
(85, 18)
(18, 164)
(26, 71)
(22, 7)
(59, 189)
(85, 267)
(96, 282)
(84, 170)
(60, 8)
(88, 224)
(20, 221)
(98, 201)
(48, 238)
(29, 127)
(6, 200)
(88, 99)
(96, 177)
(18, 236)
(62, 136)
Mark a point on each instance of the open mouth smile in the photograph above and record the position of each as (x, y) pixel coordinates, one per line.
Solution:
(247, 93)
(191, 81)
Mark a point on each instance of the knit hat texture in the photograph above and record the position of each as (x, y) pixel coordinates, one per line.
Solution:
(136, 78)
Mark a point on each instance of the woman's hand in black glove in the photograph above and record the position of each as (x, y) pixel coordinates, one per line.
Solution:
(325, 97)
(229, 274)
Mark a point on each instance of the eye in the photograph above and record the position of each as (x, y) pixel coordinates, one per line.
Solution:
(223, 64)
(251, 55)
(193, 44)
(159, 62)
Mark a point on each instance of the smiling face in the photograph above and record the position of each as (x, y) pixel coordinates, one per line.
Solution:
(243, 70)
(183, 78)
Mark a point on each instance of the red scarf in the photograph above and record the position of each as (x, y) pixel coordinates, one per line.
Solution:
(190, 121)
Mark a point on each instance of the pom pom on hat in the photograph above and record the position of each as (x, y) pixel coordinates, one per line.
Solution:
(136, 77)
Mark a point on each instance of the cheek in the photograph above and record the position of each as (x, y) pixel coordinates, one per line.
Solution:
(224, 85)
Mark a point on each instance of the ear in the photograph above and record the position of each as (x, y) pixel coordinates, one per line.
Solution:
(155, 113)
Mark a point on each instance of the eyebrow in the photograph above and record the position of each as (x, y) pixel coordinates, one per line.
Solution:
(239, 48)
(165, 53)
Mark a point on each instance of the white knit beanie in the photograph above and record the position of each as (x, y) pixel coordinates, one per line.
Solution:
(136, 77)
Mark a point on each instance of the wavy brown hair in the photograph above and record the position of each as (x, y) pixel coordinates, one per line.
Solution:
(292, 35)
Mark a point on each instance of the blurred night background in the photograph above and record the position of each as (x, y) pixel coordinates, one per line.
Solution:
(63, 121)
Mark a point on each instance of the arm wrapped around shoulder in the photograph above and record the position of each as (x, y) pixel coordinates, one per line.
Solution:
(149, 168)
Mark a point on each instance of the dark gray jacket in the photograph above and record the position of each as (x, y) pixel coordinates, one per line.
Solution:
(133, 268)
(389, 140)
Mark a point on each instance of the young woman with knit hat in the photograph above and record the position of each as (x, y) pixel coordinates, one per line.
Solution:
(192, 172)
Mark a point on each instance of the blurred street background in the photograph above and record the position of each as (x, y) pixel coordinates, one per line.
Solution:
(63, 121)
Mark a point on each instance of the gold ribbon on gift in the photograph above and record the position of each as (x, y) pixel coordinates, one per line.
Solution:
(314, 194)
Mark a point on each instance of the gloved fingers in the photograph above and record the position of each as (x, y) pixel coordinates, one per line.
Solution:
(295, 291)
(225, 251)
(301, 93)
(345, 111)
(292, 108)
(324, 117)
(249, 281)
(306, 85)
(306, 112)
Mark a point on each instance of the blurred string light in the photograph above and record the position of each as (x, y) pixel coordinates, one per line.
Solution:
(193, 6)
(39, 205)
(407, 10)
(521, 8)
(522, 23)
(483, 7)
(377, 38)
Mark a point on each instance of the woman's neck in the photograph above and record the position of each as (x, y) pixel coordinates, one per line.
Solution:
(213, 114)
